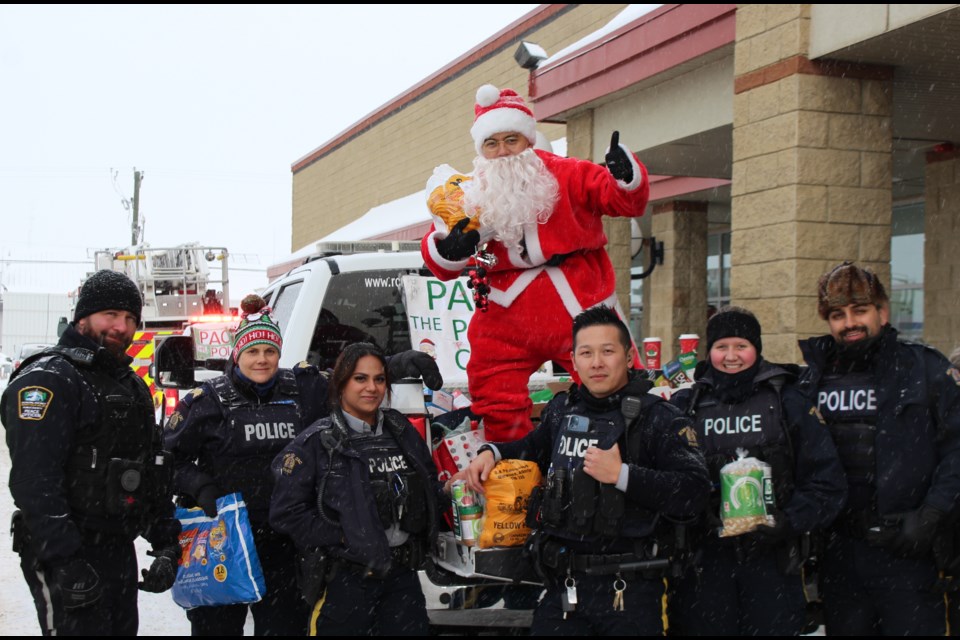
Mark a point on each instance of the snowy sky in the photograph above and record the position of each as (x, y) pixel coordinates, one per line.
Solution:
(212, 103)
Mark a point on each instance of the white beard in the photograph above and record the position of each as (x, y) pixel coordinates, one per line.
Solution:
(508, 193)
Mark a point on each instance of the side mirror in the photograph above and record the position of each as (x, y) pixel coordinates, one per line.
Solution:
(173, 363)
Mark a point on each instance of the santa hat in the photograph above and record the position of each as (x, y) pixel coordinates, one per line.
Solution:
(500, 111)
(256, 327)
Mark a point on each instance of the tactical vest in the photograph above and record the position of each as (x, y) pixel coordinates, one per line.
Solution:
(848, 404)
(116, 472)
(398, 489)
(574, 505)
(254, 433)
(755, 425)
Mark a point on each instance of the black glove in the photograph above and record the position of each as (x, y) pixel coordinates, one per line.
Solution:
(780, 531)
(207, 499)
(917, 532)
(415, 364)
(162, 572)
(458, 245)
(77, 582)
(618, 161)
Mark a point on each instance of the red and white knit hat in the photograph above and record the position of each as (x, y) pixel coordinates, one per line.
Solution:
(500, 111)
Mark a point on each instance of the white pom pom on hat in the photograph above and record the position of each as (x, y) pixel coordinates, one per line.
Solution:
(501, 111)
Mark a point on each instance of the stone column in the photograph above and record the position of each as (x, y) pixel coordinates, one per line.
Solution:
(941, 251)
(811, 172)
(678, 287)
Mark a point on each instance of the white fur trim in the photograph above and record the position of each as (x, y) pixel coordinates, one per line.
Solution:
(506, 298)
(564, 290)
(440, 260)
(503, 120)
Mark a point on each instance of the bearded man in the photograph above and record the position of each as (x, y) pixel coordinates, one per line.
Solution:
(540, 216)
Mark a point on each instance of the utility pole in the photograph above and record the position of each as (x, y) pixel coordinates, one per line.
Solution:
(135, 230)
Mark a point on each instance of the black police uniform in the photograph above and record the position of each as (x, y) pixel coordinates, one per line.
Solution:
(750, 584)
(595, 543)
(895, 417)
(380, 498)
(88, 478)
(225, 434)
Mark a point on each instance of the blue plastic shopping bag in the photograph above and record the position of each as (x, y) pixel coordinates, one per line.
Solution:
(218, 560)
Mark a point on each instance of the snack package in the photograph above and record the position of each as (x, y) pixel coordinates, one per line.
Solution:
(746, 495)
(507, 494)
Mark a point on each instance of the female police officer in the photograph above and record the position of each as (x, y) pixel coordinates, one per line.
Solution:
(224, 436)
(743, 585)
(361, 487)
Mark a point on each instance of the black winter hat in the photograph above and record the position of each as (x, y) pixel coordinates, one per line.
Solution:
(108, 290)
(734, 322)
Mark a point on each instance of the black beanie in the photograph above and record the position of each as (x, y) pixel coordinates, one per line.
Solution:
(108, 290)
(734, 322)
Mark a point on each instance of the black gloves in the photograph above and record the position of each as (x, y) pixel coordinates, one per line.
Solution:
(77, 582)
(780, 531)
(162, 572)
(415, 364)
(618, 161)
(207, 500)
(458, 245)
(917, 532)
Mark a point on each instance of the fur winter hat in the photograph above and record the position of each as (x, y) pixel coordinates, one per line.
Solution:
(734, 322)
(848, 284)
(255, 327)
(108, 290)
(501, 111)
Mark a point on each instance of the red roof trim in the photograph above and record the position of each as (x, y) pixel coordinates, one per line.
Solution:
(651, 44)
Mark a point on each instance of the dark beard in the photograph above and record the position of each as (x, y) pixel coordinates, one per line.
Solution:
(856, 356)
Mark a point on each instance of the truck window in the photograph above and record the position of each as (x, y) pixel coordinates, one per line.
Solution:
(284, 302)
(360, 307)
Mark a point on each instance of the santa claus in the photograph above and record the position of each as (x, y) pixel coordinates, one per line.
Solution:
(540, 216)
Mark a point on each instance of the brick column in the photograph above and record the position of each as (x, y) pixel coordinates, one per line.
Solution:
(811, 172)
(941, 259)
(678, 287)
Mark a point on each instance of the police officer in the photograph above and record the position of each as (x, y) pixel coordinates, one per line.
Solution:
(224, 436)
(750, 584)
(358, 492)
(893, 408)
(616, 459)
(88, 475)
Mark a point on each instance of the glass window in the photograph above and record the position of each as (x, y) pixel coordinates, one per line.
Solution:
(906, 270)
(360, 307)
(718, 269)
(284, 302)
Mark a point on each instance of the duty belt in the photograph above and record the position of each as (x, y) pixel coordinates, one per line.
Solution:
(616, 563)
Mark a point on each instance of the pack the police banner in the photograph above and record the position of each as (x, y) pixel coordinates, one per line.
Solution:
(218, 560)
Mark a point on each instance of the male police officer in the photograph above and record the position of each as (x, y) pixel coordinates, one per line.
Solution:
(618, 457)
(893, 409)
(88, 474)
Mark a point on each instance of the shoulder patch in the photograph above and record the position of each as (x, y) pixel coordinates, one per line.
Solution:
(196, 393)
(303, 364)
(174, 419)
(690, 435)
(289, 463)
(32, 402)
(955, 374)
(814, 411)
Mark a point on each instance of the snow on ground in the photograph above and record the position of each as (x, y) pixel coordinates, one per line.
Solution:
(159, 615)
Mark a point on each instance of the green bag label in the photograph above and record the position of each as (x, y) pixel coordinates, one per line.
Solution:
(742, 495)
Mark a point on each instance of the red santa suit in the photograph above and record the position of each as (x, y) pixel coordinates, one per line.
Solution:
(534, 295)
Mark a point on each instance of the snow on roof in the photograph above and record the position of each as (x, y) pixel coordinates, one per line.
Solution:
(628, 15)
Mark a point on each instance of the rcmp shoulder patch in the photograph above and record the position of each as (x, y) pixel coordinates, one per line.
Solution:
(690, 435)
(955, 374)
(196, 393)
(816, 413)
(32, 402)
(303, 364)
(174, 419)
(290, 462)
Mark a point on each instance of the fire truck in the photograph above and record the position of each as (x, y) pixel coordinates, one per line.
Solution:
(182, 295)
